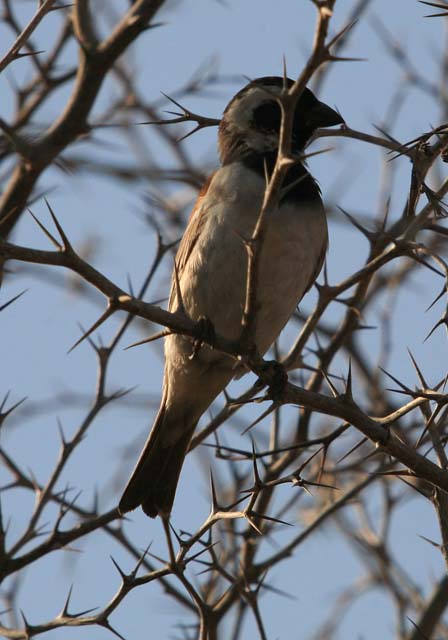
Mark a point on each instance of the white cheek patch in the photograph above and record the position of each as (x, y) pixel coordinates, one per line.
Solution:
(262, 141)
(240, 113)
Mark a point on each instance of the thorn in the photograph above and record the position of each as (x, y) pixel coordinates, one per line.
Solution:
(45, 231)
(302, 485)
(352, 449)
(267, 177)
(3, 532)
(444, 382)
(64, 613)
(247, 242)
(140, 561)
(175, 103)
(332, 58)
(154, 25)
(427, 265)
(99, 348)
(198, 127)
(413, 486)
(307, 461)
(6, 304)
(365, 232)
(7, 413)
(177, 536)
(434, 544)
(279, 592)
(325, 449)
(121, 393)
(285, 190)
(321, 485)
(394, 473)
(95, 500)
(399, 391)
(443, 320)
(333, 389)
(365, 327)
(441, 294)
(429, 421)
(325, 273)
(62, 6)
(185, 116)
(65, 240)
(235, 402)
(27, 54)
(63, 510)
(180, 301)
(387, 135)
(106, 624)
(130, 285)
(257, 480)
(210, 566)
(419, 373)
(19, 145)
(123, 575)
(341, 33)
(271, 518)
(109, 311)
(4, 400)
(311, 154)
(348, 394)
(285, 74)
(415, 625)
(28, 627)
(437, 5)
(155, 336)
(252, 524)
(268, 411)
(80, 614)
(400, 384)
(61, 433)
(348, 302)
(215, 504)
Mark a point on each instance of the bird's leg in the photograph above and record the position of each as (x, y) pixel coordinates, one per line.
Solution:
(205, 332)
(274, 376)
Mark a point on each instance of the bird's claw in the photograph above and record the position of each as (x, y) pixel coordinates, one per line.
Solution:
(275, 377)
(205, 333)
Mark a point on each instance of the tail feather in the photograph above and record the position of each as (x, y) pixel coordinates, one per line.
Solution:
(188, 391)
(154, 480)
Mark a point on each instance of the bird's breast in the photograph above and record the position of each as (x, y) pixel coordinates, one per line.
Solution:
(213, 282)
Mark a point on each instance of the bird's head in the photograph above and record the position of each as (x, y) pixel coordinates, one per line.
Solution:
(251, 121)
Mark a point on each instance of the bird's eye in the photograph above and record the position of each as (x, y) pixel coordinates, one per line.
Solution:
(267, 117)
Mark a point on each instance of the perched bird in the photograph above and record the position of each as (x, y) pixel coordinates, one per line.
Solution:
(211, 272)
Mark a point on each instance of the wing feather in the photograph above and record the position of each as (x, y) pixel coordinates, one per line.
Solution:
(318, 268)
(189, 239)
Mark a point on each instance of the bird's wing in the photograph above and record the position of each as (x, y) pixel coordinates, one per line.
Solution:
(189, 239)
(318, 268)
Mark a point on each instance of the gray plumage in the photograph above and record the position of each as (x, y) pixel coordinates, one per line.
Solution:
(212, 270)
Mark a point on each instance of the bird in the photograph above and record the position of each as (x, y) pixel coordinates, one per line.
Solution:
(210, 271)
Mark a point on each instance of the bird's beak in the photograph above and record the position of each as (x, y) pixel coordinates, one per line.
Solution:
(324, 116)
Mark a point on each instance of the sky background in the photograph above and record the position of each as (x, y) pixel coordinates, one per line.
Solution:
(247, 38)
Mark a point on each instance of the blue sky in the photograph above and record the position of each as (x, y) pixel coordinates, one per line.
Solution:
(249, 39)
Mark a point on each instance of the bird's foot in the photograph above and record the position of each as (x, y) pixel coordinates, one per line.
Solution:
(275, 377)
(205, 333)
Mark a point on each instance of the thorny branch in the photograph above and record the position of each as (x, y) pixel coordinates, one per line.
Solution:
(342, 444)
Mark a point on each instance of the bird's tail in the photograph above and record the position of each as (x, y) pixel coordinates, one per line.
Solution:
(154, 480)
